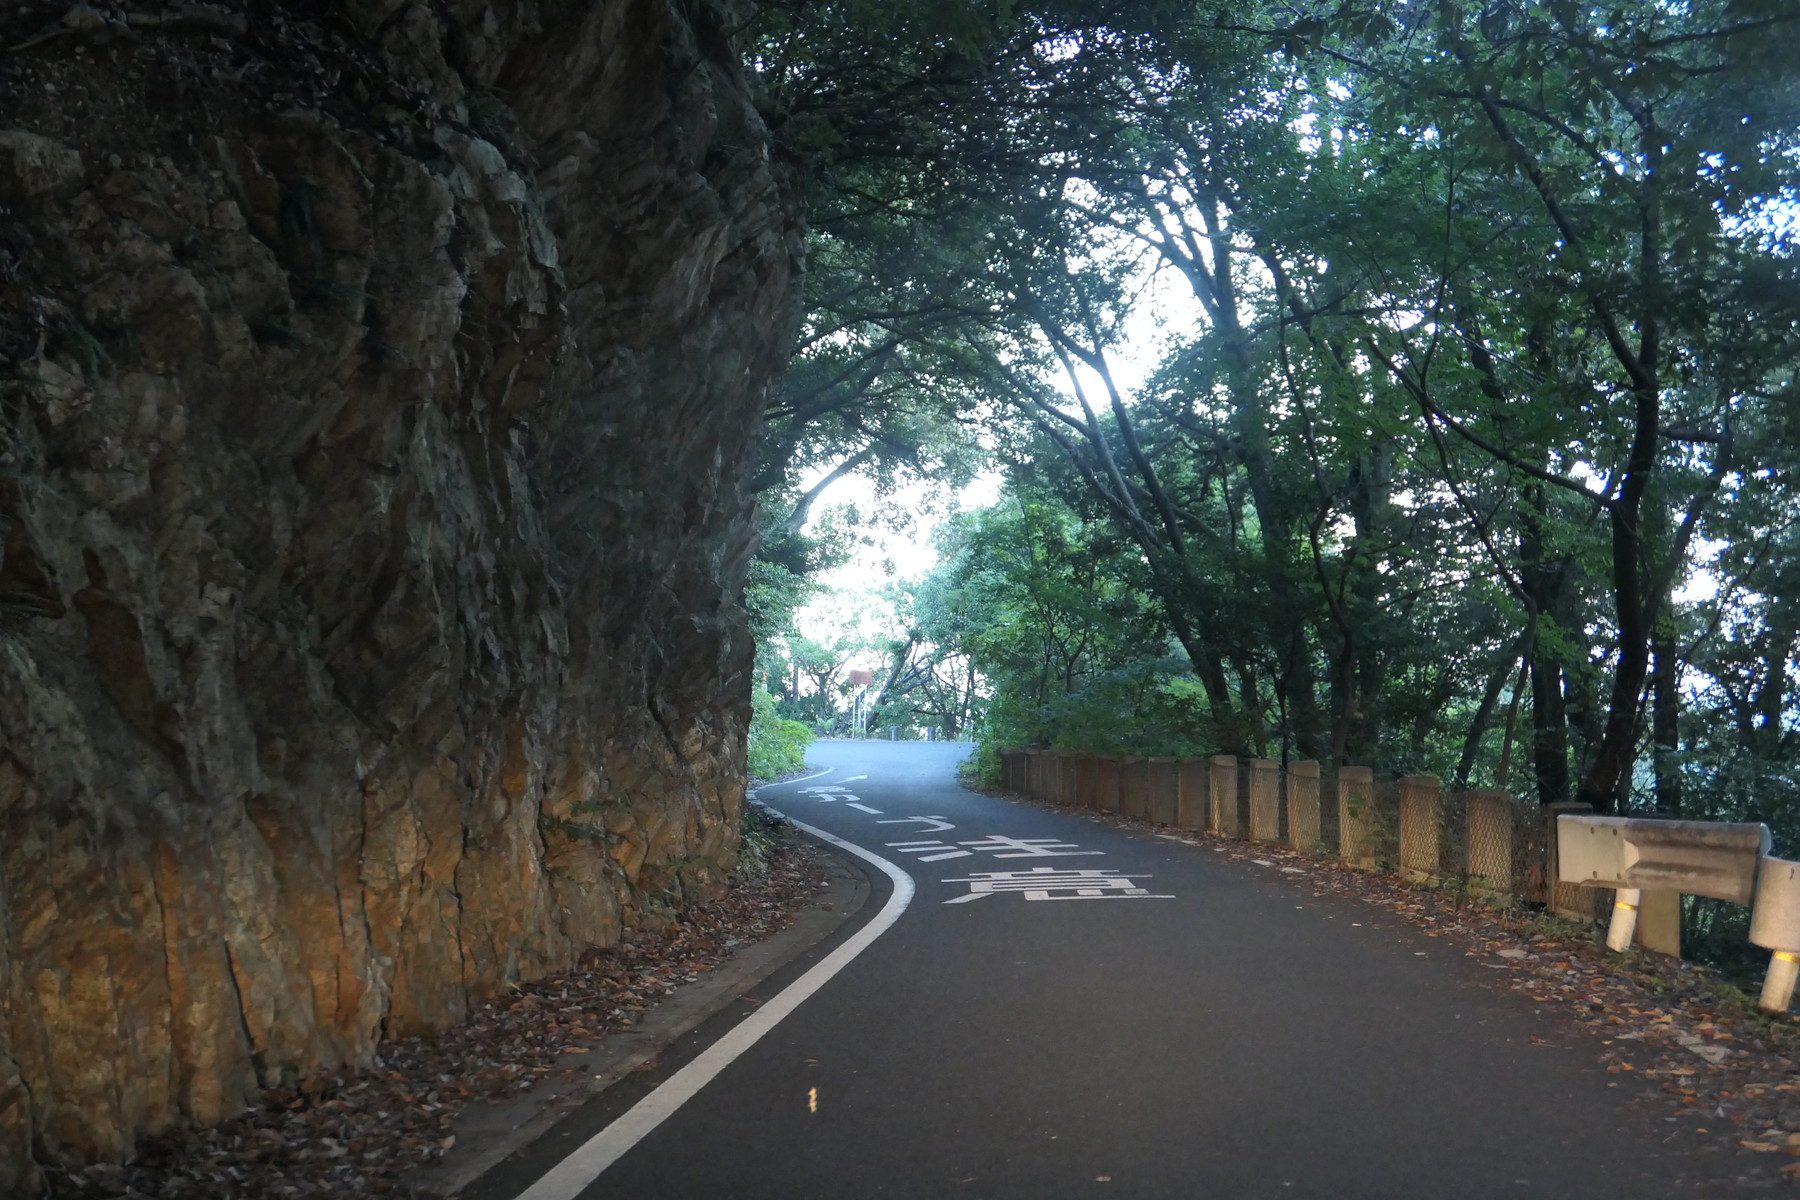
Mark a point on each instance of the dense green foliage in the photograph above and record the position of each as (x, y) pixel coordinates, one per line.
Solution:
(1472, 440)
(777, 745)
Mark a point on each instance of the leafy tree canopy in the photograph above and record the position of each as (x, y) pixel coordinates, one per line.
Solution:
(1472, 442)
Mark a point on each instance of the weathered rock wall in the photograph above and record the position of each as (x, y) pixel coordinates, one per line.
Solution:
(378, 386)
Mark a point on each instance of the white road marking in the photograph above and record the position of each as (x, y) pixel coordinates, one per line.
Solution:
(1039, 882)
(930, 851)
(938, 824)
(802, 779)
(864, 808)
(568, 1178)
(993, 843)
(854, 778)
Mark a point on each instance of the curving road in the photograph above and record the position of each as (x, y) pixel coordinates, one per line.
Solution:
(1065, 1010)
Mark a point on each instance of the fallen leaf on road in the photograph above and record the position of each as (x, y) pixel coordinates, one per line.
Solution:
(1712, 1054)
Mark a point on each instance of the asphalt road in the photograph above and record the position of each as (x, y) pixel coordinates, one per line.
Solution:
(1132, 1018)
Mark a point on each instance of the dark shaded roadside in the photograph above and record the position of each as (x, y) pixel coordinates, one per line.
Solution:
(370, 1133)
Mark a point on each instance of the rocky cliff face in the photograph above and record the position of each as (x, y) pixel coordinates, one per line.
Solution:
(378, 385)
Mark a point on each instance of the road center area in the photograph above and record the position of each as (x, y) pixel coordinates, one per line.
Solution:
(1066, 1009)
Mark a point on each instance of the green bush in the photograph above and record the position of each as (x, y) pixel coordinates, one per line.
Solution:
(777, 746)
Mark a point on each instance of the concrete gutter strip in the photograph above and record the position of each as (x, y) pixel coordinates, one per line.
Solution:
(489, 1132)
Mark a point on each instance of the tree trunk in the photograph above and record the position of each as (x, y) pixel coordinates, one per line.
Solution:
(1665, 715)
(1484, 715)
(1543, 584)
(1549, 729)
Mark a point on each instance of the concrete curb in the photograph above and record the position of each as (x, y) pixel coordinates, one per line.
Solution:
(488, 1133)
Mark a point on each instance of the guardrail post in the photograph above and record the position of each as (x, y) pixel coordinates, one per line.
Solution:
(1303, 806)
(1421, 829)
(1775, 925)
(1624, 918)
(1652, 863)
(1161, 795)
(1651, 919)
(1659, 922)
(1191, 807)
(1222, 794)
(1356, 816)
(1265, 800)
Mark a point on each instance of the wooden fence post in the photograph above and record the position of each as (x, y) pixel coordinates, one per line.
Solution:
(1106, 784)
(1134, 782)
(1222, 794)
(1303, 806)
(1083, 796)
(1491, 842)
(1421, 829)
(1192, 809)
(1265, 800)
(1161, 790)
(1064, 792)
(1356, 816)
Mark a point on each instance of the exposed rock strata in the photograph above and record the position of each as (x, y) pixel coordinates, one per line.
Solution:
(377, 392)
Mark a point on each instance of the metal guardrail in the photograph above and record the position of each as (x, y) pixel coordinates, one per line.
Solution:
(1728, 861)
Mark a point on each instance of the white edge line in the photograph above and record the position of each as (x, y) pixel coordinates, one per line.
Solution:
(569, 1177)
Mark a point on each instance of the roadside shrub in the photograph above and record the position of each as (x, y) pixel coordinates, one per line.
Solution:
(777, 746)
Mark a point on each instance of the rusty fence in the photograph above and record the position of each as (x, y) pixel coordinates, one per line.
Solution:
(1484, 841)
